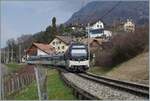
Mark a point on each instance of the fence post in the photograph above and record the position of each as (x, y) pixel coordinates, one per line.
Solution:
(12, 83)
(2, 89)
(18, 83)
(9, 86)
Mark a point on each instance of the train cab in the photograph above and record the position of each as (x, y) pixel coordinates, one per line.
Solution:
(77, 57)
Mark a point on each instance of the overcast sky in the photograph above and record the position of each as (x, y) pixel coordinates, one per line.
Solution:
(29, 17)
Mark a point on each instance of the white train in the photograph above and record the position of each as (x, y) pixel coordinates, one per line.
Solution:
(75, 59)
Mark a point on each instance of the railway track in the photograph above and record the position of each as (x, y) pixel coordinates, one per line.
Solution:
(80, 93)
(134, 88)
(99, 87)
(118, 87)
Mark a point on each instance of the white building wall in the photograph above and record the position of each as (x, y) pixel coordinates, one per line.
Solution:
(40, 52)
(96, 35)
(129, 26)
(59, 45)
(107, 33)
(97, 25)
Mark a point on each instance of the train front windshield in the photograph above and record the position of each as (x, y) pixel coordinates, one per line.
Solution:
(79, 54)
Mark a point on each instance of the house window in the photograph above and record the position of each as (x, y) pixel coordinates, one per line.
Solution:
(58, 47)
(97, 25)
(63, 47)
(59, 42)
(53, 43)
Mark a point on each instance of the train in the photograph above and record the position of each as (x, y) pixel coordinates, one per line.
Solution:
(75, 59)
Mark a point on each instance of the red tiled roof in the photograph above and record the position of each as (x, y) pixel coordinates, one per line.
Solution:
(66, 39)
(45, 47)
(90, 40)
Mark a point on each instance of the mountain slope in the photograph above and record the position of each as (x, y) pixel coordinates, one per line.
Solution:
(137, 10)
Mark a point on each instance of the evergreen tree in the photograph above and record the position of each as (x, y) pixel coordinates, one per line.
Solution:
(54, 28)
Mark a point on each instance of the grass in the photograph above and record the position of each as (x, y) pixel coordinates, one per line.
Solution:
(135, 69)
(29, 93)
(56, 88)
(99, 70)
(12, 67)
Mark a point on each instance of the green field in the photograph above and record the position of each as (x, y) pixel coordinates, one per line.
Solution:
(29, 93)
(56, 89)
(12, 67)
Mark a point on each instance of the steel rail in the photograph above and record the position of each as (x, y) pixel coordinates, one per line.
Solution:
(134, 88)
(80, 93)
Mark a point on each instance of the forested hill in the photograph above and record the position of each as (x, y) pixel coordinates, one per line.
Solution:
(137, 10)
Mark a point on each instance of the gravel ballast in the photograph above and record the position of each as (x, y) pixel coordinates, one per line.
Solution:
(100, 90)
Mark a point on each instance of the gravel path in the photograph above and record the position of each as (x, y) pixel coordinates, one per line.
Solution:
(100, 90)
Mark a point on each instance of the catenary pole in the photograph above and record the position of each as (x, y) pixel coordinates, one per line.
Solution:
(38, 81)
(20, 52)
(88, 41)
(12, 54)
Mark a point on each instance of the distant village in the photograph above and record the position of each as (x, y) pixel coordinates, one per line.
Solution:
(98, 37)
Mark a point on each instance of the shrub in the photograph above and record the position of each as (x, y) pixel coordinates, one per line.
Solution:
(125, 46)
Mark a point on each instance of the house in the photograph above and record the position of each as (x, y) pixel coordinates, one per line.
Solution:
(95, 43)
(97, 25)
(107, 34)
(129, 26)
(23, 59)
(96, 29)
(61, 43)
(38, 49)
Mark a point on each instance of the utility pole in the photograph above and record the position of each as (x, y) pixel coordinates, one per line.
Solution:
(88, 41)
(11, 54)
(41, 79)
(1, 79)
(4, 55)
(38, 81)
(20, 53)
(8, 55)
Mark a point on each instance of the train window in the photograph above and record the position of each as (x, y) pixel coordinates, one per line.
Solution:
(78, 52)
(78, 46)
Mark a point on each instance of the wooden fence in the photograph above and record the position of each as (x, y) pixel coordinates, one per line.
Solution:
(16, 81)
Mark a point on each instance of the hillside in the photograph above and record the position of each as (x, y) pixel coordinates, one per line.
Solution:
(136, 69)
(137, 10)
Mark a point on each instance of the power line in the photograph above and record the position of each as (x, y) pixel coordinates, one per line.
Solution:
(111, 9)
